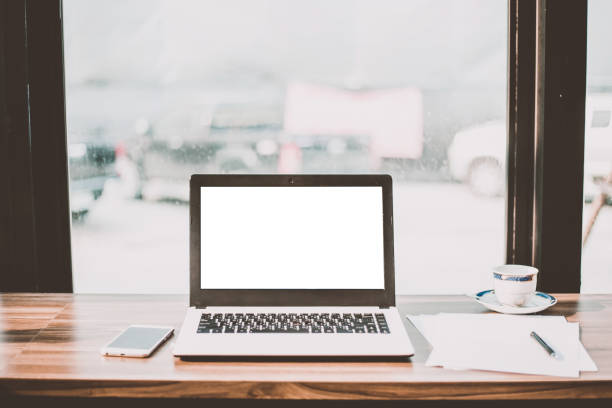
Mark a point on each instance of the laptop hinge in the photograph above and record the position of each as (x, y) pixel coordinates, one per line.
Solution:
(383, 306)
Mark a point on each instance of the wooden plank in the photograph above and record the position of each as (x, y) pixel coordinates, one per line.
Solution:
(22, 317)
(59, 336)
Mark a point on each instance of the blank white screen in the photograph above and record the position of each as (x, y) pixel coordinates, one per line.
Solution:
(292, 238)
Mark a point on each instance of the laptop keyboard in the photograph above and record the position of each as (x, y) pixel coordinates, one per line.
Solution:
(293, 323)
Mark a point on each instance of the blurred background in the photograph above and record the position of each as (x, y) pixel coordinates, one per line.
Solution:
(157, 90)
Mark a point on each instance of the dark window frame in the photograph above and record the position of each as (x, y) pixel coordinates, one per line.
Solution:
(546, 117)
(542, 64)
(560, 119)
(35, 212)
(520, 131)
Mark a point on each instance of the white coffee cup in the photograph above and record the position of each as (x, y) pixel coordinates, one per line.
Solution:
(514, 284)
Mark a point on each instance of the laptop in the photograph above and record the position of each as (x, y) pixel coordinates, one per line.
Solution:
(292, 266)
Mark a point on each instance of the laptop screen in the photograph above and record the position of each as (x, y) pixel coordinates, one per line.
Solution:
(292, 237)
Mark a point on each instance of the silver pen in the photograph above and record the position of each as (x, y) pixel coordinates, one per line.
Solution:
(544, 345)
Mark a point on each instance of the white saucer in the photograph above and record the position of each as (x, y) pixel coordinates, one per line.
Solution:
(538, 302)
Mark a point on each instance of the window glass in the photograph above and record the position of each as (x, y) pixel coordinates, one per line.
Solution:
(157, 90)
(601, 119)
(597, 216)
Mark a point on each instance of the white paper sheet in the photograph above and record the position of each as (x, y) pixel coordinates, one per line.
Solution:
(505, 345)
(502, 343)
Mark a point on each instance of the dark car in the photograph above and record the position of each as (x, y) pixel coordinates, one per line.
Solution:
(228, 138)
(90, 166)
(192, 139)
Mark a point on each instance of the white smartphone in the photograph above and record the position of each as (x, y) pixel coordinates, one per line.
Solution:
(137, 341)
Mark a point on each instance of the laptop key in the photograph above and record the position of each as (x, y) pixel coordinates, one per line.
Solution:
(343, 330)
(293, 323)
(298, 331)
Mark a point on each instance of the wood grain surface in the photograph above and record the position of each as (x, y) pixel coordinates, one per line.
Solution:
(49, 346)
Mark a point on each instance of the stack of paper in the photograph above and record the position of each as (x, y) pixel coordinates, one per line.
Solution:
(499, 342)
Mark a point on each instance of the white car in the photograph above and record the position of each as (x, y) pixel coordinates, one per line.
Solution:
(477, 155)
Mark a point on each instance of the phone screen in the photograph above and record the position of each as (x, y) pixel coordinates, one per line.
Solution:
(139, 337)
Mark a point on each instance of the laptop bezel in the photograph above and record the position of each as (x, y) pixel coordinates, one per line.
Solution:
(289, 297)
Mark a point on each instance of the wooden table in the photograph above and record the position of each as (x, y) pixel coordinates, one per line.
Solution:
(49, 347)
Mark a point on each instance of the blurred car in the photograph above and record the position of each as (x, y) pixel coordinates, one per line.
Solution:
(232, 138)
(90, 166)
(227, 138)
(477, 155)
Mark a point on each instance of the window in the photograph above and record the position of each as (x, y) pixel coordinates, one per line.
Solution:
(541, 176)
(597, 218)
(157, 90)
